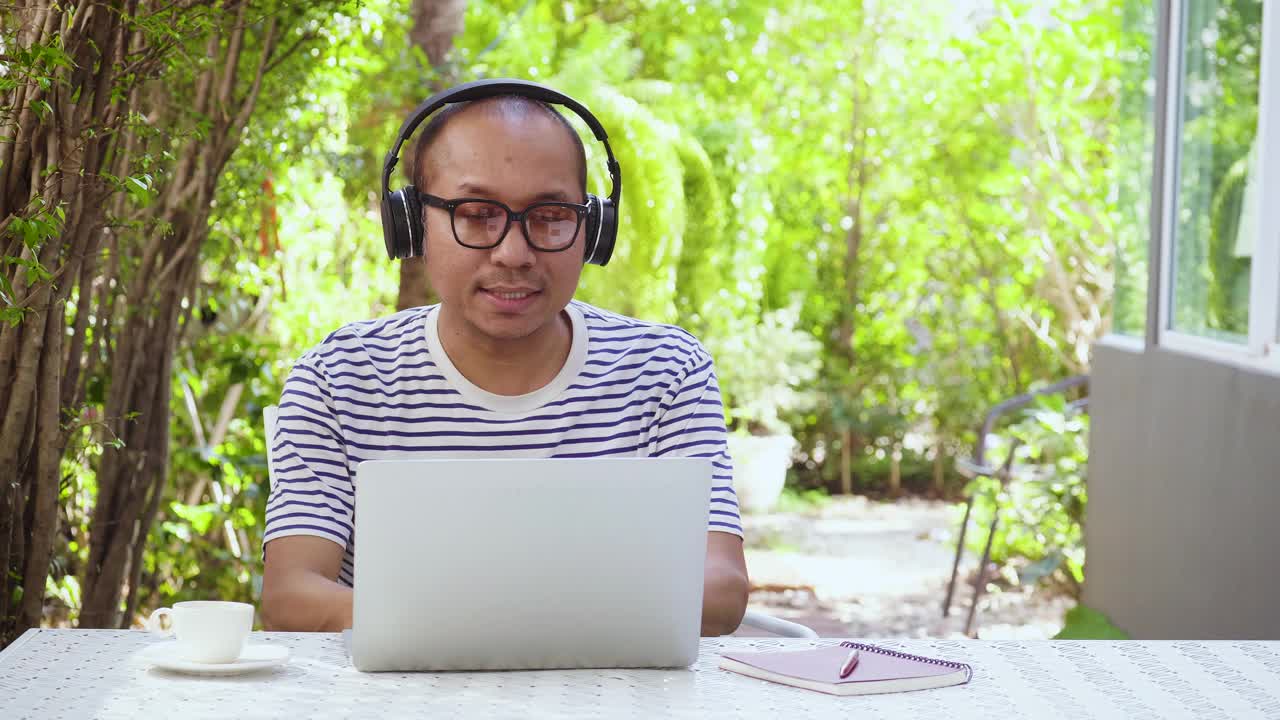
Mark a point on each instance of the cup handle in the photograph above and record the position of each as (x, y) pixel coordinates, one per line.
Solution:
(155, 623)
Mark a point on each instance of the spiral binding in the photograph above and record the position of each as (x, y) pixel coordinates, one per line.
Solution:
(968, 670)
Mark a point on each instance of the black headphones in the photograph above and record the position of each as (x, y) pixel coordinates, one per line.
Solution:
(402, 227)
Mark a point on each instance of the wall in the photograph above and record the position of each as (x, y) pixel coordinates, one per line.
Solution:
(1183, 525)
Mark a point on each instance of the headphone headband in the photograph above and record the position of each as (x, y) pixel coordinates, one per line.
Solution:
(481, 89)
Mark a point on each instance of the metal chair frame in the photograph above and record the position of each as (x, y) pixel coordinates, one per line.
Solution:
(977, 467)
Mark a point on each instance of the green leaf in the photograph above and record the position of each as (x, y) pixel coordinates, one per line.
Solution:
(1085, 623)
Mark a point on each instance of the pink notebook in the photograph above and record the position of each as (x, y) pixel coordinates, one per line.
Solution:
(879, 670)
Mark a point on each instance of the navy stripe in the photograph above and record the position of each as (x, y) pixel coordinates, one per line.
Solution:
(397, 393)
(685, 388)
(321, 420)
(723, 488)
(282, 421)
(504, 421)
(506, 433)
(365, 345)
(696, 400)
(725, 501)
(283, 492)
(463, 406)
(678, 336)
(623, 381)
(696, 443)
(689, 428)
(598, 398)
(633, 350)
(303, 514)
(597, 339)
(324, 506)
(310, 458)
(303, 366)
(456, 448)
(290, 389)
(377, 332)
(381, 377)
(666, 406)
(724, 512)
(397, 366)
(281, 472)
(398, 353)
(614, 367)
(716, 523)
(301, 431)
(600, 453)
(305, 526)
(405, 406)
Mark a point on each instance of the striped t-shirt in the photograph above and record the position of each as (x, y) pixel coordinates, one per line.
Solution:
(385, 388)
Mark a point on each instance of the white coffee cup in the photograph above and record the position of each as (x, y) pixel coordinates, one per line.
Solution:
(208, 631)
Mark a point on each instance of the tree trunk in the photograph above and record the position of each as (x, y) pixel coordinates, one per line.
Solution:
(846, 462)
(42, 510)
(58, 124)
(895, 471)
(939, 479)
(435, 24)
(62, 125)
(131, 479)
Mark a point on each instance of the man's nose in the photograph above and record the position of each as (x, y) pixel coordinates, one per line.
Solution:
(514, 250)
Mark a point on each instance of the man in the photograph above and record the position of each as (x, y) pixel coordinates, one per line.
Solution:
(506, 365)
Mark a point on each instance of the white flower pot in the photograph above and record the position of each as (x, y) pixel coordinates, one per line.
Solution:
(760, 469)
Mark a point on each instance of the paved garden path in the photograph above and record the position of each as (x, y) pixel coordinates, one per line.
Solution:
(861, 568)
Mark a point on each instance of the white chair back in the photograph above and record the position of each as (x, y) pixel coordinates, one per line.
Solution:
(269, 415)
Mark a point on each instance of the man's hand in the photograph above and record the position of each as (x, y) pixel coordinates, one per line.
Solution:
(725, 587)
(300, 588)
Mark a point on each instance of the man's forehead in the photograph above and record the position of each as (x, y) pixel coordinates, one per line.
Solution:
(497, 130)
(494, 119)
(469, 136)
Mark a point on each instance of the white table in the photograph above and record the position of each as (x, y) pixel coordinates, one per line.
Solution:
(94, 673)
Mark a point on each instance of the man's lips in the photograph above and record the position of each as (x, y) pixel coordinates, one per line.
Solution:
(510, 293)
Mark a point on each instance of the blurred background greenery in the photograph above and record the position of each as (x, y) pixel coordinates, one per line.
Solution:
(881, 217)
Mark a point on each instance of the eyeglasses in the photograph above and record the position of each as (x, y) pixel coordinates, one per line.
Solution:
(482, 224)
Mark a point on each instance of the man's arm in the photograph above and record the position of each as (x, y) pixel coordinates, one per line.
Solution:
(725, 585)
(691, 424)
(311, 509)
(300, 588)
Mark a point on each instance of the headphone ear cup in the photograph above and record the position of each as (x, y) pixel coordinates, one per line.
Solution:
(591, 228)
(602, 228)
(402, 223)
(413, 211)
(390, 229)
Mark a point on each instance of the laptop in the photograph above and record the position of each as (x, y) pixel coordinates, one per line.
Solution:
(508, 564)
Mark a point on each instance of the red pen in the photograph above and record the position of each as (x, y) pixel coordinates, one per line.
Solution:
(850, 663)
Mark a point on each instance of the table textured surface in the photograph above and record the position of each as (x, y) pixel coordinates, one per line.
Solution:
(97, 674)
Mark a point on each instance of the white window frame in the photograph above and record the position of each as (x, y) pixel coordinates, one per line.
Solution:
(1262, 349)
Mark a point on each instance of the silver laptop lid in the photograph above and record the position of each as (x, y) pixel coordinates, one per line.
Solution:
(529, 563)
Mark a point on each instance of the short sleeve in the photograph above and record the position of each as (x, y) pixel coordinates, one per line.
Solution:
(312, 492)
(691, 424)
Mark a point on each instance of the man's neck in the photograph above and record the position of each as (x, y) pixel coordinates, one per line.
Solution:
(506, 367)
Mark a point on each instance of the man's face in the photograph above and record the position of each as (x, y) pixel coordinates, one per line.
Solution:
(510, 291)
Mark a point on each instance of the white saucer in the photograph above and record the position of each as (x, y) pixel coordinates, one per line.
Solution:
(164, 655)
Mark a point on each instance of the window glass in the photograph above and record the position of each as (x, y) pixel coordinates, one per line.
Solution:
(1216, 209)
